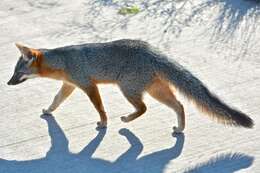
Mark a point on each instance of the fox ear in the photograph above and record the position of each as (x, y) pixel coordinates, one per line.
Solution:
(25, 51)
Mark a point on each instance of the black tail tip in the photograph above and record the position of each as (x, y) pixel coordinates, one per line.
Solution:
(246, 121)
(250, 125)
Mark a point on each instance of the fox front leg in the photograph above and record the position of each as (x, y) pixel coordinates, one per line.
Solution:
(92, 91)
(63, 93)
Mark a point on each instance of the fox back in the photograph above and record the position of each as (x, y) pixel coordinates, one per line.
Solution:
(124, 61)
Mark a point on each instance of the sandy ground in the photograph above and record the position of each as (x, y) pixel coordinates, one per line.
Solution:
(217, 40)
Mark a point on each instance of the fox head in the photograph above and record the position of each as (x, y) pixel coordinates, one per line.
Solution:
(26, 67)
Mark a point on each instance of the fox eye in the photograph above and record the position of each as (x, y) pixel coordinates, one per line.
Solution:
(22, 71)
(30, 61)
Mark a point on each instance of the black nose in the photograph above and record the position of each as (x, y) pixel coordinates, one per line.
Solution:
(12, 81)
(9, 83)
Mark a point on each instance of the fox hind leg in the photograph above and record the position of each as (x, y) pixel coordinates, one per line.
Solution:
(161, 91)
(135, 98)
(139, 106)
(63, 93)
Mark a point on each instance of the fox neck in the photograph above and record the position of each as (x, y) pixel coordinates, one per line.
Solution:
(50, 66)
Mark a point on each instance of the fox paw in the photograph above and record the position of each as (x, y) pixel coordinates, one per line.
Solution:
(177, 129)
(124, 119)
(46, 112)
(101, 124)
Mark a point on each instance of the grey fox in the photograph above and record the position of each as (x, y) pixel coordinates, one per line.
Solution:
(135, 66)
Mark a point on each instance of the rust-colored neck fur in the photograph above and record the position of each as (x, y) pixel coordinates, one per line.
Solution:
(44, 70)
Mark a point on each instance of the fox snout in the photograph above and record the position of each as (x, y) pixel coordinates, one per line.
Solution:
(16, 79)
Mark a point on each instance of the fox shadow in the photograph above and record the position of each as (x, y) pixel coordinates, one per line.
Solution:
(60, 159)
(226, 163)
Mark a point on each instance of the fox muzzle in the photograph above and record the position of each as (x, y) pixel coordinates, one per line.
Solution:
(16, 79)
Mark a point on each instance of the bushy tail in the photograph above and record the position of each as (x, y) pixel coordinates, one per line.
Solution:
(195, 90)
